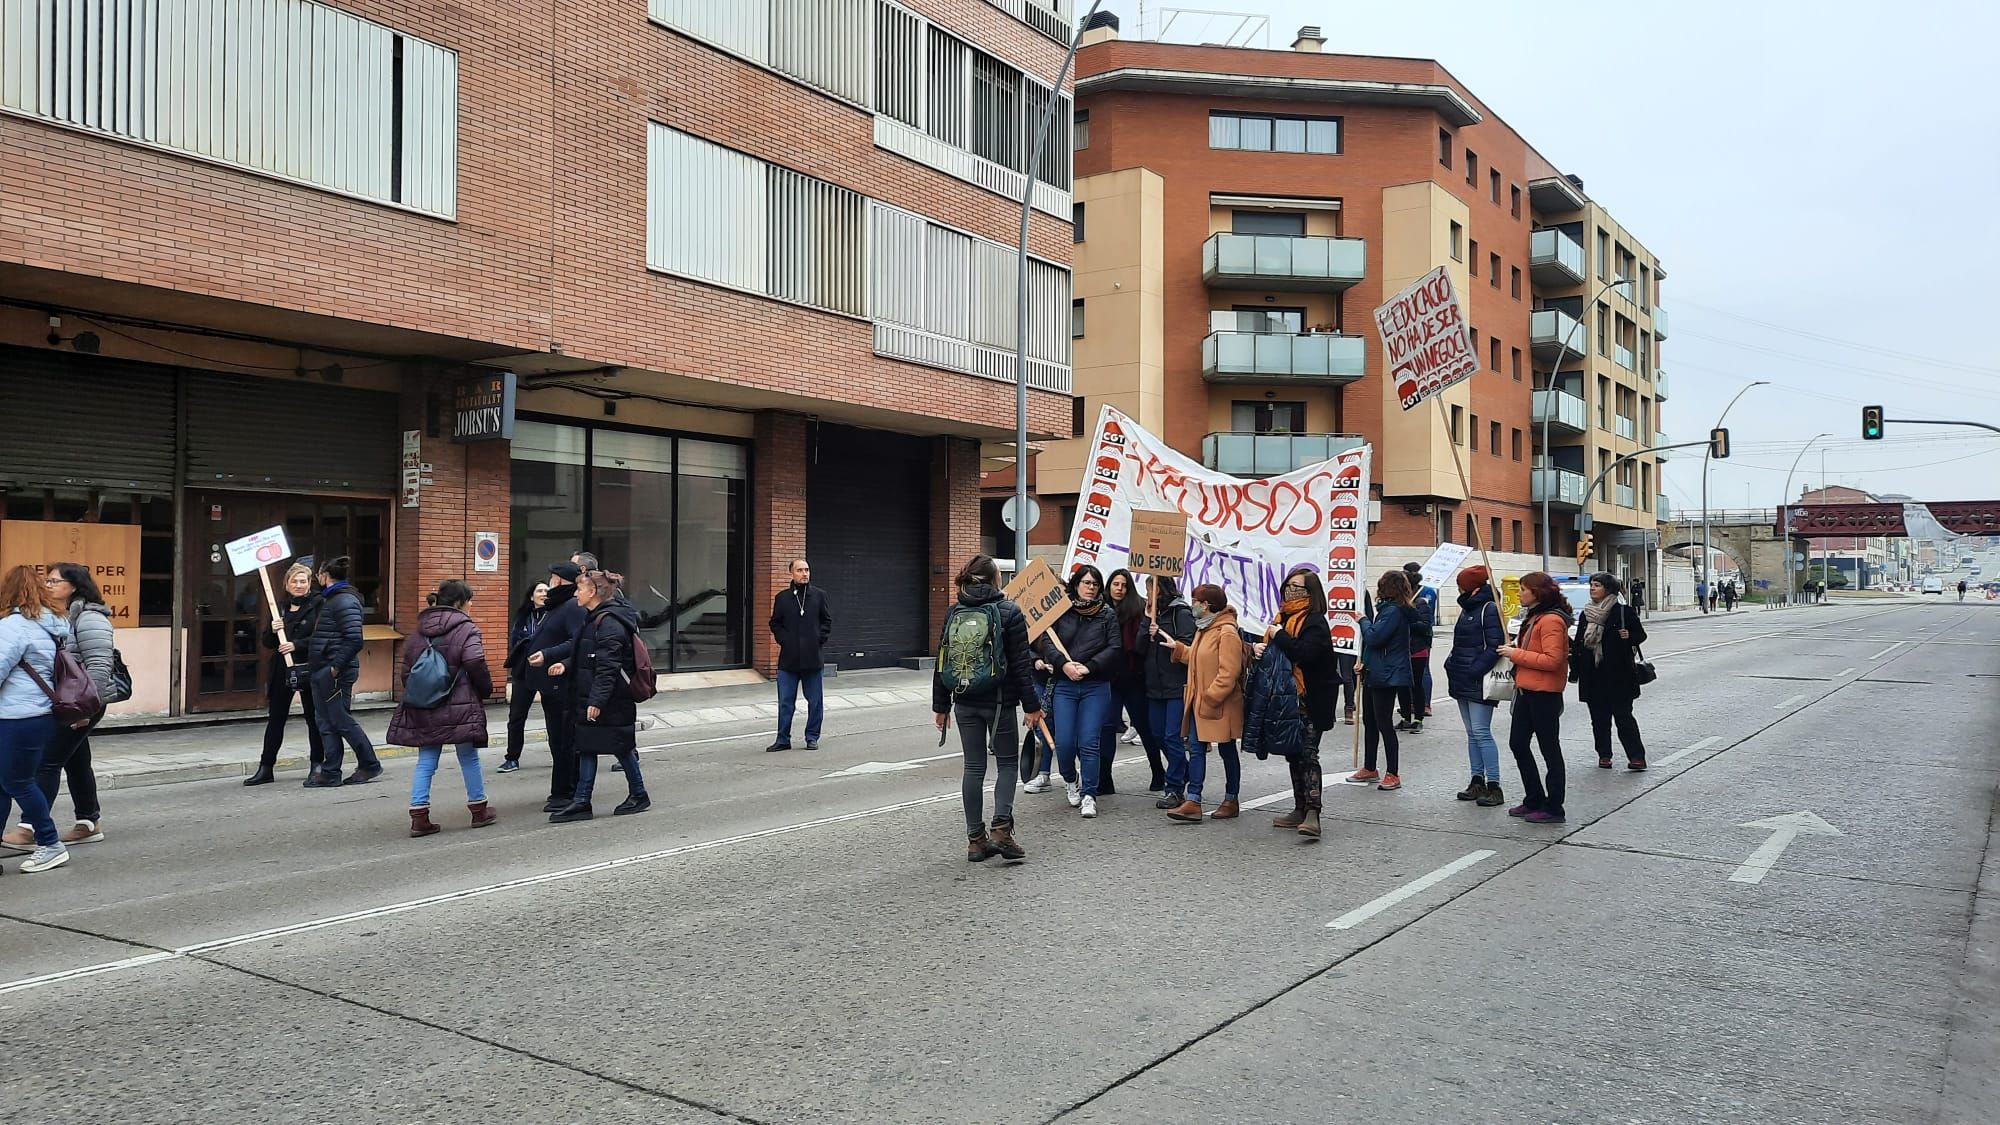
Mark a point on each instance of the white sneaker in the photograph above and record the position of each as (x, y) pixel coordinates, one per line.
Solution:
(1037, 784)
(1089, 808)
(55, 855)
(1074, 791)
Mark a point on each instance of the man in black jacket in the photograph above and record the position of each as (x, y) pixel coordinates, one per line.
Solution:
(334, 655)
(801, 623)
(552, 644)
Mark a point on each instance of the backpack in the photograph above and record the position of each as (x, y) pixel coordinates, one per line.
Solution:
(642, 683)
(73, 697)
(971, 657)
(1420, 624)
(429, 681)
(121, 679)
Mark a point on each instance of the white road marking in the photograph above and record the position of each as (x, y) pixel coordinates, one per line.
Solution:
(1682, 753)
(1718, 644)
(26, 983)
(1842, 672)
(1262, 801)
(1797, 699)
(1783, 829)
(890, 767)
(1416, 886)
(1887, 651)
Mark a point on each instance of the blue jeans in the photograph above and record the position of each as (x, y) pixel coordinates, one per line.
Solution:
(1164, 715)
(1197, 769)
(1082, 708)
(21, 744)
(427, 767)
(586, 774)
(789, 684)
(331, 699)
(1479, 744)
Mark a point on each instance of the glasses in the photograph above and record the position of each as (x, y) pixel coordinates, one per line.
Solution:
(55, 581)
(1294, 588)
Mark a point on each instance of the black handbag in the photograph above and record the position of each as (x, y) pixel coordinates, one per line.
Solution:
(1643, 671)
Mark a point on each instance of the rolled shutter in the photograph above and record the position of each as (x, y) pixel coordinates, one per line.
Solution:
(82, 422)
(268, 433)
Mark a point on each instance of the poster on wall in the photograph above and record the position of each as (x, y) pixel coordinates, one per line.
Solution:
(1243, 534)
(110, 550)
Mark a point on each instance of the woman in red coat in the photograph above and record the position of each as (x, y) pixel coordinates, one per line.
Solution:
(460, 719)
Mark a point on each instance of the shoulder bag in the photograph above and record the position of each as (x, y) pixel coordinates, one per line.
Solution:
(1497, 685)
(1643, 671)
(74, 697)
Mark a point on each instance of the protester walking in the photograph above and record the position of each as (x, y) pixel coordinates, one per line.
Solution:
(334, 653)
(1386, 669)
(1701, 594)
(1416, 700)
(1090, 636)
(1540, 654)
(1212, 707)
(553, 642)
(1475, 648)
(1729, 596)
(71, 590)
(1166, 686)
(30, 633)
(983, 673)
(445, 687)
(1128, 690)
(1604, 663)
(1639, 596)
(289, 673)
(801, 624)
(1301, 633)
(521, 688)
(603, 713)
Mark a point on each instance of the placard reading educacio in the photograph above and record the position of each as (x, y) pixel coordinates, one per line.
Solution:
(482, 407)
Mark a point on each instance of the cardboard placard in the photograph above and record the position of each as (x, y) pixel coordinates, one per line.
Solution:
(110, 550)
(1426, 344)
(1040, 595)
(258, 549)
(1159, 543)
(1443, 563)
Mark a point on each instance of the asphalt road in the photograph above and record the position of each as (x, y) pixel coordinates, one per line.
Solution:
(774, 944)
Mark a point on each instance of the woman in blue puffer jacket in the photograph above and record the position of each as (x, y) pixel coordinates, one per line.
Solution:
(1475, 649)
(30, 631)
(1385, 669)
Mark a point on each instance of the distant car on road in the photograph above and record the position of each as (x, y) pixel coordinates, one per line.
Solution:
(1933, 584)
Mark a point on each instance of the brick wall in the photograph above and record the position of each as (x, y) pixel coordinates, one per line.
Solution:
(954, 521)
(777, 523)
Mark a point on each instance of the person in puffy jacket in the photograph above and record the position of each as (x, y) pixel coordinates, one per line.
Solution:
(986, 715)
(30, 633)
(1540, 654)
(604, 716)
(1385, 672)
(1212, 709)
(522, 690)
(1166, 685)
(1301, 633)
(298, 611)
(335, 655)
(551, 644)
(461, 719)
(1089, 635)
(1475, 648)
(72, 590)
(1603, 661)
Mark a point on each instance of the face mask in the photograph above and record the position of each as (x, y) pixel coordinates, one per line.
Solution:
(1202, 616)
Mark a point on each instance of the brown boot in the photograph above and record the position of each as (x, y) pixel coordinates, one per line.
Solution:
(1227, 810)
(1291, 819)
(481, 815)
(420, 822)
(979, 848)
(1002, 841)
(1189, 812)
(1309, 825)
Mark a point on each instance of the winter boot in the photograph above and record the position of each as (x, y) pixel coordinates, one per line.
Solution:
(1291, 819)
(979, 848)
(481, 814)
(1492, 796)
(1309, 826)
(1475, 790)
(420, 822)
(1003, 841)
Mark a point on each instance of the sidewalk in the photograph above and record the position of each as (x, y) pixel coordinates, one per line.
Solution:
(155, 756)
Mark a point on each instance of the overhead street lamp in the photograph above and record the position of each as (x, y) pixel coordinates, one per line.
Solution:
(1706, 454)
(1785, 502)
(1548, 454)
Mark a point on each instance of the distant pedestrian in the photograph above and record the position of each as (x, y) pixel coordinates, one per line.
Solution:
(73, 591)
(603, 715)
(1639, 596)
(1302, 634)
(1701, 594)
(1540, 653)
(801, 624)
(984, 673)
(290, 673)
(1386, 672)
(1475, 648)
(1128, 691)
(1212, 708)
(1082, 699)
(1962, 587)
(1423, 604)
(1729, 596)
(1603, 663)
(1166, 686)
(457, 718)
(30, 633)
(521, 690)
(335, 655)
(552, 643)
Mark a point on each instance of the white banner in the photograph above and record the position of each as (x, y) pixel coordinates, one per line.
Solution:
(1244, 534)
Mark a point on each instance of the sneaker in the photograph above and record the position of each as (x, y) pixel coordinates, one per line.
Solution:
(1402, 724)
(1089, 808)
(811, 745)
(1074, 791)
(1522, 809)
(1037, 784)
(632, 805)
(1416, 727)
(1363, 777)
(510, 765)
(1169, 799)
(20, 837)
(1542, 816)
(83, 832)
(1390, 781)
(55, 855)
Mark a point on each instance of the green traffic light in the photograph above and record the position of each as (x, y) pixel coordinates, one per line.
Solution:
(1871, 423)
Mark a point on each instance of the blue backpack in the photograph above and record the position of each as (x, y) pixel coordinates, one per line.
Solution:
(430, 680)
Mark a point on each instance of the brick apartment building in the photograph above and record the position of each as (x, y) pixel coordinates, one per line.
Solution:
(1240, 213)
(749, 264)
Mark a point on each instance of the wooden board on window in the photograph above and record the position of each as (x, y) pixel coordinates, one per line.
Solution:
(110, 550)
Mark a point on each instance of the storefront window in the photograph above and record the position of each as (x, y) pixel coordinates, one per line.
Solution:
(548, 502)
(714, 481)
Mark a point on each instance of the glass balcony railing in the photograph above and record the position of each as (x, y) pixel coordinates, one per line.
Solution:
(1661, 509)
(1275, 261)
(1557, 486)
(1659, 322)
(1560, 410)
(1628, 497)
(1660, 384)
(1626, 357)
(1627, 428)
(1553, 331)
(1315, 359)
(1246, 454)
(1554, 258)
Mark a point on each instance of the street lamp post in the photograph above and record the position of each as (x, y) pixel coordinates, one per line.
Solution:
(1785, 498)
(1706, 454)
(1548, 454)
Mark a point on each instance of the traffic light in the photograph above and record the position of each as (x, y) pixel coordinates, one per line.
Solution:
(1584, 548)
(1871, 423)
(1718, 442)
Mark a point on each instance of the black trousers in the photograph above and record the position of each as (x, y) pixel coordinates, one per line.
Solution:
(1416, 698)
(518, 706)
(1538, 719)
(562, 747)
(1344, 689)
(278, 712)
(1603, 715)
(1378, 707)
(69, 753)
(1129, 700)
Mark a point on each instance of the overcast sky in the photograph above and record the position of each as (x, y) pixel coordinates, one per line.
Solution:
(1821, 180)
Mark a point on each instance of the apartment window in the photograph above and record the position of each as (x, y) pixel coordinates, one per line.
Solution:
(1514, 444)
(1475, 342)
(996, 111)
(1473, 433)
(1076, 222)
(1472, 263)
(1444, 525)
(1076, 414)
(1270, 319)
(1603, 255)
(1493, 352)
(1493, 543)
(1514, 198)
(1444, 147)
(1603, 398)
(1457, 242)
(1493, 438)
(1645, 287)
(1457, 421)
(1076, 319)
(1493, 270)
(1514, 358)
(1493, 185)
(1603, 330)
(1472, 167)
(1272, 133)
(1514, 281)
(1290, 224)
(1267, 417)
(1517, 534)
(1470, 529)
(1079, 133)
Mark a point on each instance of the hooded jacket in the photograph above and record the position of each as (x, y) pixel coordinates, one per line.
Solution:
(554, 638)
(1213, 704)
(335, 646)
(90, 636)
(461, 718)
(1017, 681)
(597, 671)
(32, 641)
(1166, 678)
(801, 624)
(1385, 646)
(1475, 641)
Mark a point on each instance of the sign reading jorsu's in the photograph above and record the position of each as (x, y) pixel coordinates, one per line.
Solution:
(482, 407)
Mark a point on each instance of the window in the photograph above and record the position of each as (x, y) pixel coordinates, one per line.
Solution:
(1076, 413)
(1472, 167)
(996, 111)
(1444, 525)
(1457, 242)
(1514, 444)
(1493, 352)
(1291, 224)
(1493, 185)
(1076, 222)
(1517, 535)
(1493, 445)
(1457, 421)
(1514, 198)
(1473, 433)
(1268, 319)
(1493, 543)
(1514, 281)
(1603, 397)
(1603, 255)
(1268, 417)
(1493, 271)
(1272, 133)
(1514, 358)
(1603, 330)
(1080, 133)
(1471, 529)
(1472, 263)
(1475, 342)
(1444, 147)
(1076, 320)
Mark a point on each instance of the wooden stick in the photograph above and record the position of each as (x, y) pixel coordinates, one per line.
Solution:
(277, 618)
(1472, 505)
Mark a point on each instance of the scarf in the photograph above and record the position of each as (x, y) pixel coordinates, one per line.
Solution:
(1294, 620)
(1087, 609)
(1595, 615)
(1203, 617)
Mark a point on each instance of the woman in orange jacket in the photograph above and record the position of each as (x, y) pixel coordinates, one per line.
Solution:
(1212, 707)
(1541, 667)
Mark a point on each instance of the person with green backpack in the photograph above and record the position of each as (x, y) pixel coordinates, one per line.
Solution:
(984, 671)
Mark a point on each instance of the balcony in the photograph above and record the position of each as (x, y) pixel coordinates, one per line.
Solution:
(1628, 497)
(1659, 322)
(1316, 360)
(1554, 258)
(1557, 486)
(1553, 332)
(1307, 263)
(1561, 411)
(1626, 428)
(1626, 357)
(1663, 510)
(1660, 384)
(1246, 454)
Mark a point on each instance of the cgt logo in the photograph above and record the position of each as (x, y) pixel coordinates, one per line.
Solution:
(1089, 540)
(1113, 434)
(1345, 631)
(1342, 593)
(1348, 476)
(1344, 517)
(1099, 506)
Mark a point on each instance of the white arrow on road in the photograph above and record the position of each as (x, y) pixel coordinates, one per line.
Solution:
(1784, 829)
(890, 767)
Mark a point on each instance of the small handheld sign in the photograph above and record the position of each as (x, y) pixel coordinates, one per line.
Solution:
(257, 551)
(1159, 543)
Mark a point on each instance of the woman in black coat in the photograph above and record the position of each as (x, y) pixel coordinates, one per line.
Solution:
(1301, 633)
(1603, 663)
(298, 608)
(604, 717)
(521, 690)
(459, 720)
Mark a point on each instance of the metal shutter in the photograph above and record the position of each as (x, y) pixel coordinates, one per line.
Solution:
(85, 422)
(269, 433)
(868, 538)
